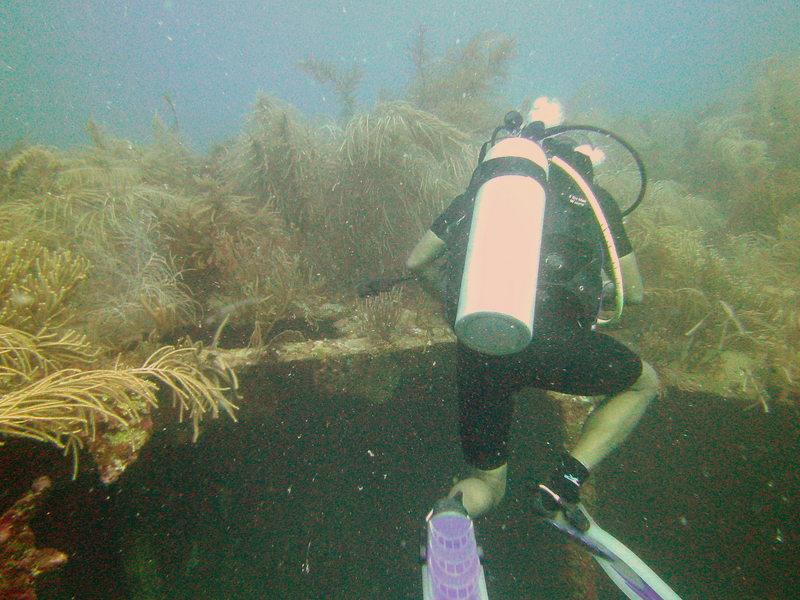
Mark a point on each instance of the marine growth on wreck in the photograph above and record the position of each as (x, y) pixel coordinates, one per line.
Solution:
(127, 270)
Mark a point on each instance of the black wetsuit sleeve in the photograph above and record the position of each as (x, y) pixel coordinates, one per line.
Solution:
(614, 217)
(444, 225)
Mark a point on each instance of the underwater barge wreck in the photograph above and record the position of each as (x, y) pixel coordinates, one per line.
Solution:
(344, 414)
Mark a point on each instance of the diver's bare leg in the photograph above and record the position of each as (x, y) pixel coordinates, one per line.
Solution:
(609, 425)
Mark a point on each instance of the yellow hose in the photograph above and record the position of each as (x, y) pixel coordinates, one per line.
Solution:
(616, 269)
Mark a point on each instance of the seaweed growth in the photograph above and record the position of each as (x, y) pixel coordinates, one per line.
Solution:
(399, 165)
(379, 316)
(720, 312)
(345, 83)
(462, 87)
(53, 383)
(719, 250)
(104, 202)
(282, 160)
(357, 196)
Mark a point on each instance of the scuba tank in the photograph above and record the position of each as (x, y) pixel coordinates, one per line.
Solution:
(498, 286)
(498, 293)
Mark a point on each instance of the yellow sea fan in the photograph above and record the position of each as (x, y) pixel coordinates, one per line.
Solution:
(25, 357)
(69, 402)
(65, 407)
(200, 384)
(34, 284)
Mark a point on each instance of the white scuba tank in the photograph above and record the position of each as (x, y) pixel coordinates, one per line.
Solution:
(498, 287)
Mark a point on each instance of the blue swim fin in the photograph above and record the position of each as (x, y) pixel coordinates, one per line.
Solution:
(636, 580)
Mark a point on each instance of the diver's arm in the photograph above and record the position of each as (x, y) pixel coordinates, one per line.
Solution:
(421, 261)
(428, 248)
(632, 284)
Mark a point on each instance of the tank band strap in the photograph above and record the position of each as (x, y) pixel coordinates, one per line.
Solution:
(506, 165)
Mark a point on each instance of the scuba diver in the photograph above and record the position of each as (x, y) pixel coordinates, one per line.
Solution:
(526, 246)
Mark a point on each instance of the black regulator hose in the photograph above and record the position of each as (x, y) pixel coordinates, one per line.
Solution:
(511, 123)
(559, 129)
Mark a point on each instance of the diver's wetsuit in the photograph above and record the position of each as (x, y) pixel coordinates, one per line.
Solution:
(565, 354)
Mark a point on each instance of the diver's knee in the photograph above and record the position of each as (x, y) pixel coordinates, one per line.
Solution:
(482, 490)
(496, 479)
